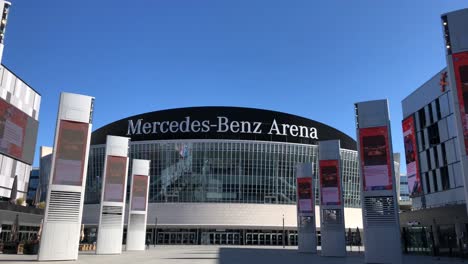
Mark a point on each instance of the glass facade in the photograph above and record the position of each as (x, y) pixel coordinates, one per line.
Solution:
(404, 191)
(33, 183)
(224, 171)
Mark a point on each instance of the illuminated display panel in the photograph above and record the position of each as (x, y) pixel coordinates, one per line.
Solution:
(411, 156)
(330, 187)
(375, 158)
(16, 128)
(115, 179)
(304, 195)
(139, 192)
(71, 152)
(460, 65)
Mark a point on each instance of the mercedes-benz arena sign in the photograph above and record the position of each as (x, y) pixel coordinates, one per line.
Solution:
(222, 123)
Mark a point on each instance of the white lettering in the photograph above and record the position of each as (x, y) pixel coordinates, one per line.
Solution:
(234, 126)
(146, 128)
(155, 125)
(245, 124)
(206, 126)
(195, 126)
(313, 133)
(304, 131)
(274, 127)
(293, 129)
(174, 127)
(164, 130)
(285, 127)
(222, 123)
(134, 129)
(184, 125)
(257, 129)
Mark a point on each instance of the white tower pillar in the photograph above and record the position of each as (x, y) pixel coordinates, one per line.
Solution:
(114, 190)
(64, 208)
(136, 228)
(379, 200)
(332, 225)
(306, 229)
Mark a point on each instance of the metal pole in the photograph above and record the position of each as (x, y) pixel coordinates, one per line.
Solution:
(155, 230)
(283, 232)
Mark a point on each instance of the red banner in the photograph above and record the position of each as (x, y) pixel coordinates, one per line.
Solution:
(305, 199)
(375, 158)
(116, 173)
(139, 192)
(330, 187)
(411, 156)
(12, 130)
(460, 66)
(71, 152)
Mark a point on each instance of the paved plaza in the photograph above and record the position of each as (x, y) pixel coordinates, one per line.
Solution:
(221, 255)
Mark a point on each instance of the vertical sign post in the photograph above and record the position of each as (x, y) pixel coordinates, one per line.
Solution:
(379, 201)
(456, 46)
(307, 241)
(136, 228)
(64, 208)
(114, 190)
(332, 228)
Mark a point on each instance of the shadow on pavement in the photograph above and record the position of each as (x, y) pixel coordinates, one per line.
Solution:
(279, 256)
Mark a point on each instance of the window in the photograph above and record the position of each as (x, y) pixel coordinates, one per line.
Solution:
(428, 158)
(445, 179)
(428, 183)
(444, 154)
(436, 157)
(423, 141)
(433, 134)
(434, 180)
(431, 116)
(437, 103)
(422, 119)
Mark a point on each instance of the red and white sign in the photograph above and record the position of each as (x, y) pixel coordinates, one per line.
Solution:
(139, 192)
(13, 124)
(305, 199)
(330, 187)
(375, 158)
(71, 152)
(460, 66)
(116, 172)
(411, 156)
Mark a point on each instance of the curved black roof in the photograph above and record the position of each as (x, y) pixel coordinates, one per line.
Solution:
(221, 122)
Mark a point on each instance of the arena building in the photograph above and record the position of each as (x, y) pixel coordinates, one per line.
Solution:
(222, 175)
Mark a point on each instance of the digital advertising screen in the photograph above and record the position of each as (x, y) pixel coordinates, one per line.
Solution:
(304, 195)
(139, 192)
(411, 156)
(331, 216)
(17, 132)
(460, 65)
(375, 158)
(115, 179)
(330, 187)
(71, 152)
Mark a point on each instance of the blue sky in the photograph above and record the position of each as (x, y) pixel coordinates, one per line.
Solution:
(310, 58)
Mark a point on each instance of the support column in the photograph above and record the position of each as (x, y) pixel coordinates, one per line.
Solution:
(332, 224)
(136, 228)
(113, 196)
(378, 199)
(62, 220)
(306, 229)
